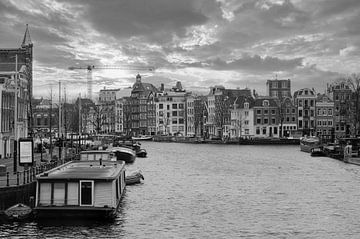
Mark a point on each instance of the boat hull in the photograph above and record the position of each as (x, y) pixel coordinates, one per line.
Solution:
(141, 153)
(74, 212)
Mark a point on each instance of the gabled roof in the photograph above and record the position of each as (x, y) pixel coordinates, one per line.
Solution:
(259, 102)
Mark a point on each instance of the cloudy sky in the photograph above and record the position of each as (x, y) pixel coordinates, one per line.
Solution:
(202, 43)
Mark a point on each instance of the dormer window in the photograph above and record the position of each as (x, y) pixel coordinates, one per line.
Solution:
(246, 105)
(265, 103)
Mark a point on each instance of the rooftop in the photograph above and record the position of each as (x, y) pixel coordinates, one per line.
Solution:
(87, 170)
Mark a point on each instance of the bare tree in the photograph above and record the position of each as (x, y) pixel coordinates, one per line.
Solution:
(354, 83)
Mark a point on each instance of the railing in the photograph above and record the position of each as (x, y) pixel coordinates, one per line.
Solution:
(29, 175)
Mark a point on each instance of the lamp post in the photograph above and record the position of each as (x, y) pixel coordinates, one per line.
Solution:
(15, 116)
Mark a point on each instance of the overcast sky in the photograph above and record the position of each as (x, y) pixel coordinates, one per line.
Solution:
(202, 43)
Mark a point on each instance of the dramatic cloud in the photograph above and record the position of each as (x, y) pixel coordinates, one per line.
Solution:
(235, 43)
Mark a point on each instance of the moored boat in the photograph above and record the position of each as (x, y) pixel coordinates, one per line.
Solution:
(134, 178)
(308, 143)
(18, 212)
(141, 153)
(352, 151)
(317, 152)
(80, 189)
(125, 154)
(142, 137)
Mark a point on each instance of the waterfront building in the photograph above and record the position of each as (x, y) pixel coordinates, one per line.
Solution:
(325, 117)
(278, 88)
(107, 99)
(44, 115)
(121, 97)
(341, 93)
(170, 113)
(190, 116)
(143, 108)
(16, 66)
(287, 118)
(218, 105)
(305, 100)
(266, 117)
(242, 118)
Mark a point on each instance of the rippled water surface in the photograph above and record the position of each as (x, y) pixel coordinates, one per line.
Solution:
(225, 191)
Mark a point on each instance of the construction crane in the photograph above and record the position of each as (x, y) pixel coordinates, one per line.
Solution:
(90, 68)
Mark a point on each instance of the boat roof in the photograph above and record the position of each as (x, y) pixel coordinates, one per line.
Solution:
(107, 170)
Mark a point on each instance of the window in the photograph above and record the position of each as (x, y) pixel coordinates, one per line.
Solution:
(174, 121)
(181, 106)
(265, 103)
(174, 113)
(167, 107)
(246, 105)
(258, 112)
(273, 121)
(264, 130)
(266, 112)
(266, 120)
(174, 106)
(330, 112)
(300, 124)
(330, 123)
(275, 130)
(300, 113)
(257, 130)
(272, 112)
(300, 103)
(86, 192)
(258, 120)
(319, 122)
(161, 106)
(246, 122)
(181, 121)
(246, 113)
(247, 131)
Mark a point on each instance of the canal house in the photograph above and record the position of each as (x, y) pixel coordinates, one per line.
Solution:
(87, 189)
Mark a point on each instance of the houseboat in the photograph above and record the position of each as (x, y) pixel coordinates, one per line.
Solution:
(307, 143)
(80, 189)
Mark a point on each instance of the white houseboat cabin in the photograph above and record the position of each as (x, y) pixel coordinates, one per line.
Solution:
(87, 189)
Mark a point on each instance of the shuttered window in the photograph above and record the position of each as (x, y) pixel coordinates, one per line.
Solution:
(59, 194)
(45, 194)
(73, 193)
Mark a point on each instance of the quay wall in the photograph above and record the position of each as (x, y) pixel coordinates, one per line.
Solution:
(25, 194)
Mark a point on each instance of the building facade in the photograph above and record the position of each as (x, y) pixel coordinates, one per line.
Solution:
(305, 101)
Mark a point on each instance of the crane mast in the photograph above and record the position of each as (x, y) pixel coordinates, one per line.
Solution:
(90, 68)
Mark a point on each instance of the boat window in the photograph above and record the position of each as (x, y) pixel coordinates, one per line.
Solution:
(86, 193)
(59, 194)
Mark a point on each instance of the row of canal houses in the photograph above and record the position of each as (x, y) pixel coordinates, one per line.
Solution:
(223, 113)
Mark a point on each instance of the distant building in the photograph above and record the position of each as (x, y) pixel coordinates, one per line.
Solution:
(171, 114)
(218, 104)
(341, 93)
(305, 101)
(266, 117)
(242, 118)
(325, 117)
(278, 88)
(287, 118)
(143, 108)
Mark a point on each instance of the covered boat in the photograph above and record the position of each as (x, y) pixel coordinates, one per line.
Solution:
(134, 178)
(18, 212)
(142, 137)
(125, 154)
(307, 143)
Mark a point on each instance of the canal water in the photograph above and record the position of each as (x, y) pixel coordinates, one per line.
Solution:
(225, 191)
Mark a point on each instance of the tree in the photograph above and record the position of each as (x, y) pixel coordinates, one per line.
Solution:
(354, 83)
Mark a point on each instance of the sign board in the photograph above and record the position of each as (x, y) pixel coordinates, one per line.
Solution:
(26, 151)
